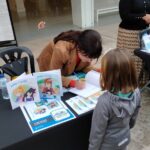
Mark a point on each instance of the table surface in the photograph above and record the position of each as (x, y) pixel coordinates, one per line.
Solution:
(16, 134)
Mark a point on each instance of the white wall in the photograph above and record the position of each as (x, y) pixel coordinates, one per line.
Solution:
(20, 6)
(88, 13)
(76, 12)
(83, 13)
(98, 4)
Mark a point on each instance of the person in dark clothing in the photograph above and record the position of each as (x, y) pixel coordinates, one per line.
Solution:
(135, 16)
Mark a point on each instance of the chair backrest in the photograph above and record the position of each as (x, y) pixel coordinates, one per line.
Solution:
(16, 60)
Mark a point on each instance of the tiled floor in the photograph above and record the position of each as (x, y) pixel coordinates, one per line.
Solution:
(29, 36)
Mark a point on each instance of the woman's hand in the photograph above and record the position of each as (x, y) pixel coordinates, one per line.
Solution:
(80, 84)
(146, 18)
(41, 25)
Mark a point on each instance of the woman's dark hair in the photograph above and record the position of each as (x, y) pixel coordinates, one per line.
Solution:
(118, 71)
(88, 42)
(32, 91)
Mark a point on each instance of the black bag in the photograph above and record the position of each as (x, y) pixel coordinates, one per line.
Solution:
(16, 67)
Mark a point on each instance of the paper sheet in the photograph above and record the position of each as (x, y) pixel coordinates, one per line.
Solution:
(92, 85)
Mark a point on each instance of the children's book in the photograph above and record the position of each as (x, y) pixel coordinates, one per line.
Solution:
(23, 89)
(81, 105)
(49, 83)
(91, 86)
(45, 114)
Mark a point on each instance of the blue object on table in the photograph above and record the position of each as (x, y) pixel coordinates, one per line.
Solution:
(79, 75)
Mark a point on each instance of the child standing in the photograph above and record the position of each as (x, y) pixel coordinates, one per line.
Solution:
(117, 109)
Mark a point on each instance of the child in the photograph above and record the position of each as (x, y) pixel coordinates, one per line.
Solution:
(117, 109)
(48, 89)
(18, 93)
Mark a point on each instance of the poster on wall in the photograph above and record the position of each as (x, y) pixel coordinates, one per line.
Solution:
(6, 29)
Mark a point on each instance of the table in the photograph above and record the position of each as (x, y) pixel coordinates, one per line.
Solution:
(15, 133)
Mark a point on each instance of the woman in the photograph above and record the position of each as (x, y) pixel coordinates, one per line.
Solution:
(71, 51)
(117, 109)
(135, 16)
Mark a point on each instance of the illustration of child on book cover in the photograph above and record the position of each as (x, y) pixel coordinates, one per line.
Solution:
(23, 90)
(49, 84)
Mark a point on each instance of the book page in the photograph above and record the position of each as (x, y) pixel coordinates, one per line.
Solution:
(23, 90)
(49, 83)
(78, 105)
(91, 86)
(93, 77)
(81, 105)
(87, 91)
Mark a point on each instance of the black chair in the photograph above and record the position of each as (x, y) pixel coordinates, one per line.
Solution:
(16, 60)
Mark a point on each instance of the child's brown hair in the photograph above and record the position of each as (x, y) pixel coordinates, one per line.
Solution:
(118, 71)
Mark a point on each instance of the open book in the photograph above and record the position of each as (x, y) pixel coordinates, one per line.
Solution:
(81, 105)
(92, 85)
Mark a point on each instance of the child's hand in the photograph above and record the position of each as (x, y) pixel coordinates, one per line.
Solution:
(41, 25)
(80, 84)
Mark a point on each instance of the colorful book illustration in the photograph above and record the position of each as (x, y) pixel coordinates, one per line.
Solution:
(92, 85)
(22, 90)
(77, 75)
(74, 76)
(41, 116)
(81, 105)
(49, 83)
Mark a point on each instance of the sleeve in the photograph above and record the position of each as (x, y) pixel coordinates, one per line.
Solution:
(58, 60)
(135, 114)
(99, 125)
(125, 7)
(44, 58)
